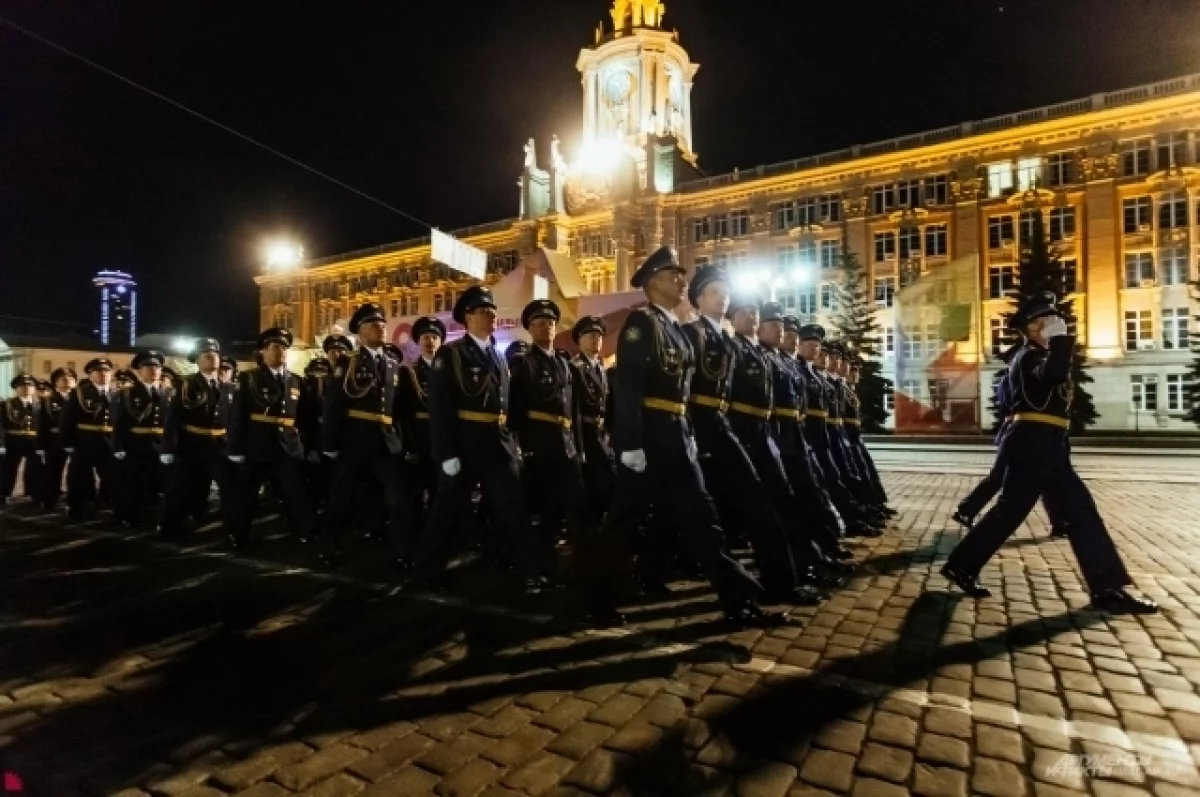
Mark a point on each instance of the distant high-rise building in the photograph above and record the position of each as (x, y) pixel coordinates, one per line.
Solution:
(118, 308)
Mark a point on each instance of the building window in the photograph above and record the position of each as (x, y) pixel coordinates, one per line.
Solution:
(828, 297)
(413, 304)
(885, 246)
(914, 344)
(889, 397)
(1000, 231)
(889, 341)
(783, 216)
(598, 244)
(1174, 266)
(1139, 330)
(1002, 281)
(1060, 169)
(1143, 392)
(1172, 211)
(1137, 214)
(829, 253)
(1139, 270)
(883, 198)
(1025, 225)
(933, 341)
(1172, 150)
(908, 193)
(1068, 276)
(998, 336)
(808, 253)
(806, 301)
(1062, 224)
(910, 243)
(885, 291)
(1000, 178)
(732, 225)
(787, 257)
(1029, 173)
(1178, 399)
(395, 307)
(700, 230)
(1175, 329)
(1135, 157)
(46, 367)
(502, 262)
(934, 189)
(935, 240)
(829, 208)
(439, 303)
(806, 211)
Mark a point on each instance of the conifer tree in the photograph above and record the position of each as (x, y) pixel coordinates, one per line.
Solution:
(854, 323)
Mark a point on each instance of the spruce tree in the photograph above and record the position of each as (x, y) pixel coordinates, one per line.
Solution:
(854, 323)
(1193, 376)
(1040, 269)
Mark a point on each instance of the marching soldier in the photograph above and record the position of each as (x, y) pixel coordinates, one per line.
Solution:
(852, 424)
(317, 469)
(657, 452)
(20, 426)
(421, 468)
(1039, 461)
(63, 380)
(227, 372)
(195, 449)
(138, 417)
(518, 348)
(263, 437)
(828, 363)
(337, 348)
(86, 436)
(542, 415)
(468, 408)
(590, 391)
(360, 433)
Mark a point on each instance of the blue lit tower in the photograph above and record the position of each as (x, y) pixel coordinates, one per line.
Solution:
(118, 308)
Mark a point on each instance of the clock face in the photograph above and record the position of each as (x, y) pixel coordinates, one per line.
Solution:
(619, 86)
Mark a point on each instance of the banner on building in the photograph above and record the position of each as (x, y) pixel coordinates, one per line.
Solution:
(461, 257)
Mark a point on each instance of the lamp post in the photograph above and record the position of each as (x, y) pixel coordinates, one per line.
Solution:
(282, 255)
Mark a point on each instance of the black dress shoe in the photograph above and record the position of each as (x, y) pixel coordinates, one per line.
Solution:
(237, 542)
(842, 553)
(968, 583)
(1120, 601)
(966, 521)
(751, 616)
(536, 585)
(834, 566)
(887, 510)
(806, 595)
(1060, 532)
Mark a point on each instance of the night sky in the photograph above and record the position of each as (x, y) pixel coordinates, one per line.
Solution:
(427, 106)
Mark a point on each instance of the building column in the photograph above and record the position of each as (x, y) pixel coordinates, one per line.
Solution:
(1099, 262)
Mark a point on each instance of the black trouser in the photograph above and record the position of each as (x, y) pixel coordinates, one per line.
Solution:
(847, 464)
(867, 464)
(599, 475)
(675, 485)
(744, 503)
(91, 461)
(556, 483)
(52, 476)
(357, 476)
(286, 476)
(19, 449)
(502, 490)
(420, 483)
(141, 478)
(807, 483)
(190, 477)
(1039, 462)
(847, 505)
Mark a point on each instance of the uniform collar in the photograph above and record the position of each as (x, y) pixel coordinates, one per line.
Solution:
(427, 360)
(482, 343)
(668, 313)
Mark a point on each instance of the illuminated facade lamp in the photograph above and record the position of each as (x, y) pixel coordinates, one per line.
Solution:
(283, 255)
(598, 157)
(183, 345)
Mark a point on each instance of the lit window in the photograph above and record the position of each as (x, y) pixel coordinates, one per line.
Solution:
(1139, 270)
(1062, 224)
(889, 341)
(1174, 266)
(829, 253)
(935, 240)
(1139, 330)
(1143, 392)
(1000, 178)
(1135, 157)
(1029, 173)
(1175, 328)
(1137, 214)
(1178, 398)
(885, 291)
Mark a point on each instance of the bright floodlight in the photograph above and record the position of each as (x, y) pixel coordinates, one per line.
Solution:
(598, 157)
(283, 255)
(800, 275)
(746, 281)
(182, 345)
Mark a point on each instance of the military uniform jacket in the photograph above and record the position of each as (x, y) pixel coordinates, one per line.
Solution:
(651, 392)
(1040, 381)
(816, 405)
(468, 404)
(20, 424)
(262, 420)
(413, 408)
(86, 424)
(196, 414)
(789, 402)
(51, 421)
(542, 406)
(360, 417)
(850, 409)
(138, 417)
(310, 410)
(709, 390)
(751, 388)
(590, 392)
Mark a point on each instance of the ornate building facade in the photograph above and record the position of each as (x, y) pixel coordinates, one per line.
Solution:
(1116, 177)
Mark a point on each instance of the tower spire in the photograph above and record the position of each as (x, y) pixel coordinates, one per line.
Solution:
(630, 14)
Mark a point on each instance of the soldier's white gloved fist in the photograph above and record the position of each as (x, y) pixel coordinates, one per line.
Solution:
(237, 459)
(452, 467)
(412, 456)
(634, 460)
(118, 455)
(166, 459)
(1054, 327)
(692, 451)
(68, 450)
(331, 454)
(1, 452)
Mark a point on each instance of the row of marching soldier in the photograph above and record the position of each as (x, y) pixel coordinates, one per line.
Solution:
(699, 442)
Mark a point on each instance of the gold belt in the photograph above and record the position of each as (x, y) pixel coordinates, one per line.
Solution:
(481, 417)
(1041, 417)
(834, 421)
(595, 420)
(21, 432)
(538, 415)
(146, 430)
(720, 405)
(818, 413)
(91, 427)
(378, 417)
(852, 421)
(275, 419)
(421, 416)
(673, 407)
(749, 409)
(203, 431)
(788, 412)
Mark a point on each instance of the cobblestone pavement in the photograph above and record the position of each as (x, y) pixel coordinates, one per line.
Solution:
(130, 666)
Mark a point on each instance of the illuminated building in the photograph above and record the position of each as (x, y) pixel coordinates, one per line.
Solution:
(1115, 175)
(118, 308)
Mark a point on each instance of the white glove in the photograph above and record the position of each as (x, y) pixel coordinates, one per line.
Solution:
(330, 454)
(692, 451)
(412, 456)
(1054, 327)
(1, 452)
(166, 459)
(118, 455)
(237, 459)
(452, 467)
(68, 450)
(634, 460)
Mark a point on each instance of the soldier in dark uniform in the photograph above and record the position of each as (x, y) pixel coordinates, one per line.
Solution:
(657, 452)
(20, 440)
(590, 392)
(1039, 461)
(361, 434)
(86, 436)
(227, 371)
(518, 348)
(337, 348)
(195, 447)
(138, 416)
(542, 414)
(852, 425)
(63, 380)
(421, 470)
(828, 365)
(263, 438)
(317, 469)
(468, 408)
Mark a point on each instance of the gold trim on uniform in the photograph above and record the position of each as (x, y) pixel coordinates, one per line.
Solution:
(275, 419)
(749, 409)
(1041, 417)
(482, 417)
(546, 417)
(662, 405)
(203, 431)
(362, 415)
(720, 405)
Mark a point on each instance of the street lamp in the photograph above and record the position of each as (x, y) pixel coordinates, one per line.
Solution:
(282, 255)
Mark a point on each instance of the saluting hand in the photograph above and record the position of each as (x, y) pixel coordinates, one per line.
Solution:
(452, 467)
(1054, 327)
(166, 459)
(118, 455)
(237, 459)
(634, 460)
